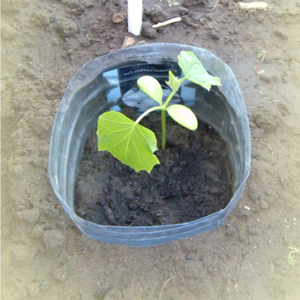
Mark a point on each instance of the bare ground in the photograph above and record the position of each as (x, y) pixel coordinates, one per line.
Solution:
(44, 256)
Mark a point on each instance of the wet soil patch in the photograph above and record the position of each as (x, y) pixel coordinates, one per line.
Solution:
(192, 181)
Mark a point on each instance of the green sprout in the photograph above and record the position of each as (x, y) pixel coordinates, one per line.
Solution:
(172, 2)
(258, 71)
(134, 144)
(291, 257)
(262, 54)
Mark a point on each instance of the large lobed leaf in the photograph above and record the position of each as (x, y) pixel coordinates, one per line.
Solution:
(127, 141)
(194, 70)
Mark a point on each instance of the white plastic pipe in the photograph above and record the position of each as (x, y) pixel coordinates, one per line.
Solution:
(135, 16)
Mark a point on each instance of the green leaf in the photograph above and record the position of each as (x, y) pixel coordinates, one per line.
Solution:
(151, 87)
(183, 115)
(262, 55)
(129, 142)
(174, 82)
(194, 70)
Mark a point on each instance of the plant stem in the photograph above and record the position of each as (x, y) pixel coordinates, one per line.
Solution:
(163, 117)
(163, 129)
(173, 93)
(147, 112)
(163, 109)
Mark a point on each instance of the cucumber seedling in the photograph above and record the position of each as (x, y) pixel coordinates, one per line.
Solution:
(134, 144)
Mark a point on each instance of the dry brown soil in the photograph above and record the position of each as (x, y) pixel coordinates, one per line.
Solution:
(44, 256)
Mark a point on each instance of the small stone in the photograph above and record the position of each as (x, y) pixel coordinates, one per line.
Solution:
(264, 204)
(148, 31)
(33, 289)
(284, 36)
(215, 35)
(118, 18)
(231, 230)
(188, 257)
(52, 18)
(128, 41)
(85, 42)
(76, 8)
(159, 16)
(186, 20)
(43, 126)
(243, 214)
(264, 78)
(267, 118)
(8, 32)
(37, 232)
(40, 19)
(196, 17)
(67, 28)
(189, 3)
(253, 230)
(181, 10)
(254, 191)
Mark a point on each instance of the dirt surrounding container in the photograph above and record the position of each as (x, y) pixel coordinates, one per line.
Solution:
(44, 256)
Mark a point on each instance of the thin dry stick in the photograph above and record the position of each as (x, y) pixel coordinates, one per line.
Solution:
(134, 222)
(216, 5)
(174, 20)
(279, 145)
(160, 294)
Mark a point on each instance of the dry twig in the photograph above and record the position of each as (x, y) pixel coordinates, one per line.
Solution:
(174, 20)
(160, 294)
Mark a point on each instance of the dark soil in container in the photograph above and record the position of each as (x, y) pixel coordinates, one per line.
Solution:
(192, 181)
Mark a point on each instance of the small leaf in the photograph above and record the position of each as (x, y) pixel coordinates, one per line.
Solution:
(262, 55)
(174, 82)
(194, 70)
(129, 142)
(151, 87)
(183, 115)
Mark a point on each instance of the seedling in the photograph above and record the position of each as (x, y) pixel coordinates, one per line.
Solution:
(262, 54)
(258, 71)
(172, 2)
(134, 144)
(291, 257)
